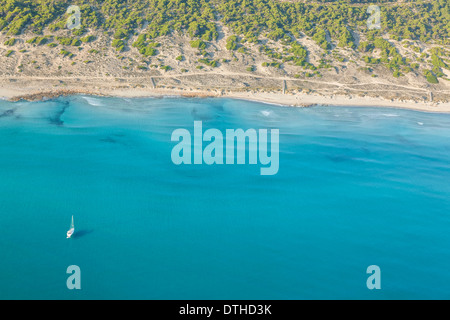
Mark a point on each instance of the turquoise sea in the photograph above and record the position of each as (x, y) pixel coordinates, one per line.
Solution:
(355, 187)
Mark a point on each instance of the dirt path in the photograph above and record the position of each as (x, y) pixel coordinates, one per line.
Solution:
(350, 86)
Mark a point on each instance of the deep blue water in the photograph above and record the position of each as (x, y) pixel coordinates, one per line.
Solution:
(355, 187)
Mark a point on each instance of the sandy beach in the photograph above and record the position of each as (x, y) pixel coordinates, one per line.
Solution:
(43, 89)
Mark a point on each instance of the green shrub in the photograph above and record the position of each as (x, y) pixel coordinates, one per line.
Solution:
(140, 42)
(166, 68)
(66, 53)
(211, 63)
(431, 78)
(242, 50)
(148, 51)
(88, 39)
(199, 44)
(38, 40)
(10, 42)
(118, 44)
(271, 64)
(231, 43)
(120, 34)
(346, 39)
(396, 74)
(320, 38)
(76, 42)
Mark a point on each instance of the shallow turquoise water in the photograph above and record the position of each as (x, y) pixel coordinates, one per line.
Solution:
(355, 187)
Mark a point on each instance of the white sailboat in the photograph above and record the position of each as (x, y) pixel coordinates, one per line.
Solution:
(71, 230)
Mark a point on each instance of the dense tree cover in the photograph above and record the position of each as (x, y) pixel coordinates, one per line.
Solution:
(346, 39)
(327, 22)
(299, 54)
(320, 37)
(424, 20)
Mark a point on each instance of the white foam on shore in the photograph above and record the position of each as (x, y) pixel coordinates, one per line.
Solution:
(390, 115)
(93, 101)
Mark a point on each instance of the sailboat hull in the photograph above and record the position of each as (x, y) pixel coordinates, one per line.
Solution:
(70, 232)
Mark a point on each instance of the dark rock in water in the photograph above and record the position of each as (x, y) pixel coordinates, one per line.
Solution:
(56, 119)
(214, 111)
(7, 113)
(365, 150)
(404, 141)
(340, 158)
(218, 107)
(108, 140)
(201, 116)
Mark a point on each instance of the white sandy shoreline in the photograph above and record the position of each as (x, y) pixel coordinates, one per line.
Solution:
(297, 100)
(273, 98)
